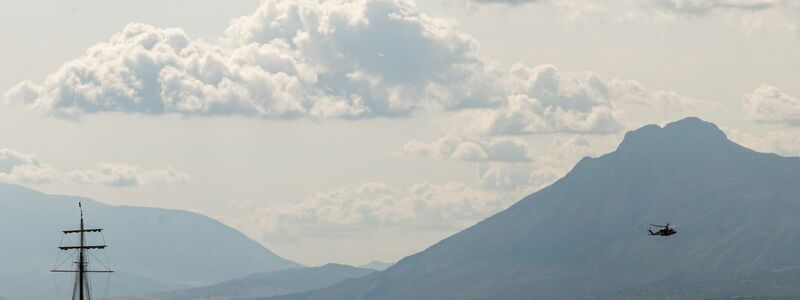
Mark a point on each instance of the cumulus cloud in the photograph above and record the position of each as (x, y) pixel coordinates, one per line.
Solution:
(767, 104)
(544, 99)
(288, 59)
(121, 175)
(457, 148)
(18, 167)
(544, 168)
(26, 168)
(504, 176)
(508, 166)
(369, 206)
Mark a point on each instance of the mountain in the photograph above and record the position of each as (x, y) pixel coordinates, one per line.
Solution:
(376, 265)
(261, 285)
(737, 214)
(151, 249)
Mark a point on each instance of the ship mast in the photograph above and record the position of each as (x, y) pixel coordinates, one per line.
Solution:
(81, 290)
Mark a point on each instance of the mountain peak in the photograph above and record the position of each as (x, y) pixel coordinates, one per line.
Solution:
(691, 132)
(695, 124)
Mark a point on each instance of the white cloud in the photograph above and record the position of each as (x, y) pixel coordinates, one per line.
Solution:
(544, 99)
(456, 148)
(546, 167)
(147, 70)
(784, 142)
(289, 59)
(767, 104)
(26, 168)
(505, 177)
(18, 167)
(373, 220)
(366, 207)
(508, 165)
(121, 175)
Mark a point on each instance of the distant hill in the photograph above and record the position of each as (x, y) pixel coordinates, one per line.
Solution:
(376, 265)
(266, 284)
(151, 249)
(737, 213)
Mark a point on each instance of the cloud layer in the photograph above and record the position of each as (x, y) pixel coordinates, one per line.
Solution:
(369, 207)
(121, 175)
(18, 167)
(25, 168)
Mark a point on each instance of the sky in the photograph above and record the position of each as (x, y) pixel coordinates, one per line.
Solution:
(353, 131)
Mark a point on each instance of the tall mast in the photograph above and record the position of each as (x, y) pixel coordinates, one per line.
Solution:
(81, 260)
(80, 290)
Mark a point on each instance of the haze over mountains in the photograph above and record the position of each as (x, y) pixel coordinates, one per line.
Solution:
(737, 214)
(265, 284)
(151, 249)
(376, 265)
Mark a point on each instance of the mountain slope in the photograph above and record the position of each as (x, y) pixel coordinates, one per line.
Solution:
(266, 284)
(737, 211)
(152, 249)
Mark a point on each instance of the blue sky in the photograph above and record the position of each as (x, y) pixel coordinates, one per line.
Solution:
(371, 129)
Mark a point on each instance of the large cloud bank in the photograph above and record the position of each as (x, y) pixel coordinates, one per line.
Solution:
(289, 59)
(326, 59)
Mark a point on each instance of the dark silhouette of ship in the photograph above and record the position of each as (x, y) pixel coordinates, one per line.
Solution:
(81, 289)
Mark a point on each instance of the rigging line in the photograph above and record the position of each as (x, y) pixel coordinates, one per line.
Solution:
(88, 286)
(99, 261)
(60, 262)
(60, 243)
(55, 280)
(108, 285)
(68, 257)
(103, 236)
(105, 253)
(75, 288)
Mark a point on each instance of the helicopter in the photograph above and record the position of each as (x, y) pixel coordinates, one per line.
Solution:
(664, 231)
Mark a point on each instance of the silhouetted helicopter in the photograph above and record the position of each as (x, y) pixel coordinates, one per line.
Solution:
(664, 231)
